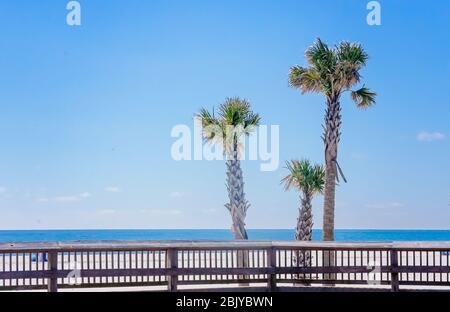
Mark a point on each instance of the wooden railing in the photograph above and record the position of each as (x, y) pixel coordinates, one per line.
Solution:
(269, 266)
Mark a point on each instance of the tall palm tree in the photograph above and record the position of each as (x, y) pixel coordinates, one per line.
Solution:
(235, 119)
(332, 72)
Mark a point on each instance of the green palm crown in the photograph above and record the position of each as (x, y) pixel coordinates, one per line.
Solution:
(333, 71)
(304, 177)
(235, 119)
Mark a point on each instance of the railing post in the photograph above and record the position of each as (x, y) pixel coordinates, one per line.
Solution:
(172, 263)
(272, 264)
(52, 282)
(395, 285)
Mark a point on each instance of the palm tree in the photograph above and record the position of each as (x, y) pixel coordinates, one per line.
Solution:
(235, 119)
(309, 181)
(332, 72)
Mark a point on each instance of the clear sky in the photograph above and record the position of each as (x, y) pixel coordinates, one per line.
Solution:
(86, 112)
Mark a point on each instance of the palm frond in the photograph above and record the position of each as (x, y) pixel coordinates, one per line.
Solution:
(238, 112)
(251, 122)
(320, 56)
(364, 98)
(211, 126)
(318, 179)
(234, 111)
(295, 73)
(351, 58)
(290, 180)
(352, 53)
(331, 71)
(307, 80)
(235, 118)
(305, 177)
(346, 75)
(206, 117)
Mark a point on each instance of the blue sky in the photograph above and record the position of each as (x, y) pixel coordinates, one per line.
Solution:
(86, 112)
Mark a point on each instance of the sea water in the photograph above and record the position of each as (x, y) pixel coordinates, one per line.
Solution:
(261, 234)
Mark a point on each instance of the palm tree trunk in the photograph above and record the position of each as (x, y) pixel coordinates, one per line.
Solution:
(304, 233)
(237, 206)
(329, 203)
(305, 220)
(331, 139)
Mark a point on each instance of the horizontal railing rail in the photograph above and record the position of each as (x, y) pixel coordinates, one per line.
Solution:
(182, 264)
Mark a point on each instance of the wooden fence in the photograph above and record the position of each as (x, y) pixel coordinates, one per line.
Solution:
(264, 266)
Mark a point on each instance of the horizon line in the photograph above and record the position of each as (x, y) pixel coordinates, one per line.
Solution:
(219, 229)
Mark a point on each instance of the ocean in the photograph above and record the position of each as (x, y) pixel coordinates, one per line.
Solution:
(127, 235)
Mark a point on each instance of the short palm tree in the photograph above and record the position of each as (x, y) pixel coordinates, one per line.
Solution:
(332, 72)
(308, 180)
(235, 119)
